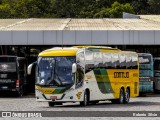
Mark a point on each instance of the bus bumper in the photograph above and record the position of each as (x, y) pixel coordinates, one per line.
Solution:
(71, 97)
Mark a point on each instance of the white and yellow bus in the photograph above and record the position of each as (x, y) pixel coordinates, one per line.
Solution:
(86, 74)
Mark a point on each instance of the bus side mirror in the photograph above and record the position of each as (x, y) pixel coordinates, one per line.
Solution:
(29, 69)
(74, 68)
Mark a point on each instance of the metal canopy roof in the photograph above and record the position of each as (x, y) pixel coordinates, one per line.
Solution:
(145, 23)
(105, 31)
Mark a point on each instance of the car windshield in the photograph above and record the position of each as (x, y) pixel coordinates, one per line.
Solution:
(55, 71)
(144, 59)
(145, 62)
(7, 64)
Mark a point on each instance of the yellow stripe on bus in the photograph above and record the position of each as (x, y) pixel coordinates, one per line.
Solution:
(46, 90)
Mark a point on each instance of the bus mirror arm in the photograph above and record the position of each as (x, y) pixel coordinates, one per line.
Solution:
(29, 69)
(74, 68)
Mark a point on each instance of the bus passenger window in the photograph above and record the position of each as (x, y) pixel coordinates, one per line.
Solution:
(128, 62)
(115, 61)
(107, 60)
(80, 59)
(122, 61)
(134, 62)
(89, 62)
(98, 61)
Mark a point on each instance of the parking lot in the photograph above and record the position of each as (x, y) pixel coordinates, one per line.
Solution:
(28, 103)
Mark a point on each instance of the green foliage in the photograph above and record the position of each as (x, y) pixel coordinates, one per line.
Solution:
(115, 11)
(154, 6)
(27, 8)
(141, 6)
(76, 8)
(4, 10)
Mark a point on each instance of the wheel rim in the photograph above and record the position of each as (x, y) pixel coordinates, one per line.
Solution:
(127, 96)
(121, 97)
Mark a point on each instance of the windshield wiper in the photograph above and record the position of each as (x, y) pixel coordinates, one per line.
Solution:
(54, 75)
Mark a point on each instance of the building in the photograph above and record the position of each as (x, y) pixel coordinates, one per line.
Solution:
(136, 34)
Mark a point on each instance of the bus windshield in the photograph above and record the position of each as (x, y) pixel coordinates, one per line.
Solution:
(55, 71)
(145, 62)
(7, 64)
(157, 64)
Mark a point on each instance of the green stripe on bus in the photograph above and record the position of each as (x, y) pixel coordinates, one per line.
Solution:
(103, 81)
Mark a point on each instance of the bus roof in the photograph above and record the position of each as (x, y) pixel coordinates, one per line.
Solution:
(144, 54)
(96, 47)
(59, 51)
(71, 51)
(157, 58)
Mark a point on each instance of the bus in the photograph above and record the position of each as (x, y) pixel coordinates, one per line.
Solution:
(86, 74)
(146, 76)
(13, 72)
(156, 74)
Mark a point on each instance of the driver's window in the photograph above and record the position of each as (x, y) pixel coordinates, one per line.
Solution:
(80, 69)
(79, 76)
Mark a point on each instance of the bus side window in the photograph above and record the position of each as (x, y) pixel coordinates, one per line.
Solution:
(80, 59)
(107, 60)
(134, 62)
(115, 61)
(98, 60)
(128, 62)
(122, 61)
(89, 60)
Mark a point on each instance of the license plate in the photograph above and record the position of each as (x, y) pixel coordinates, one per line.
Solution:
(53, 97)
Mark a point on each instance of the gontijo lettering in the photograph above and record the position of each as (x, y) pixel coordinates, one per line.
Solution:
(121, 74)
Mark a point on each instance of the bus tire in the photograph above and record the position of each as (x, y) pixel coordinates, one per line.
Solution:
(120, 100)
(121, 96)
(85, 101)
(126, 96)
(51, 104)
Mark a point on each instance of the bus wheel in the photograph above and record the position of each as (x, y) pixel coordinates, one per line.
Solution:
(127, 96)
(121, 97)
(51, 104)
(85, 101)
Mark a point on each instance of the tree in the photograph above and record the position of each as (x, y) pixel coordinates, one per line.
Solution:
(75, 8)
(140, 6)
(154, 6)
(33, 8)
(4, 10)
(115, 11)
(79, 8)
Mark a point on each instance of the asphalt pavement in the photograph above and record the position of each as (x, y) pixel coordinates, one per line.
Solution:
(150, 103)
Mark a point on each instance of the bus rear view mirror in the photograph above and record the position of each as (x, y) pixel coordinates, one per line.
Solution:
(29, 70)
(74, 68)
